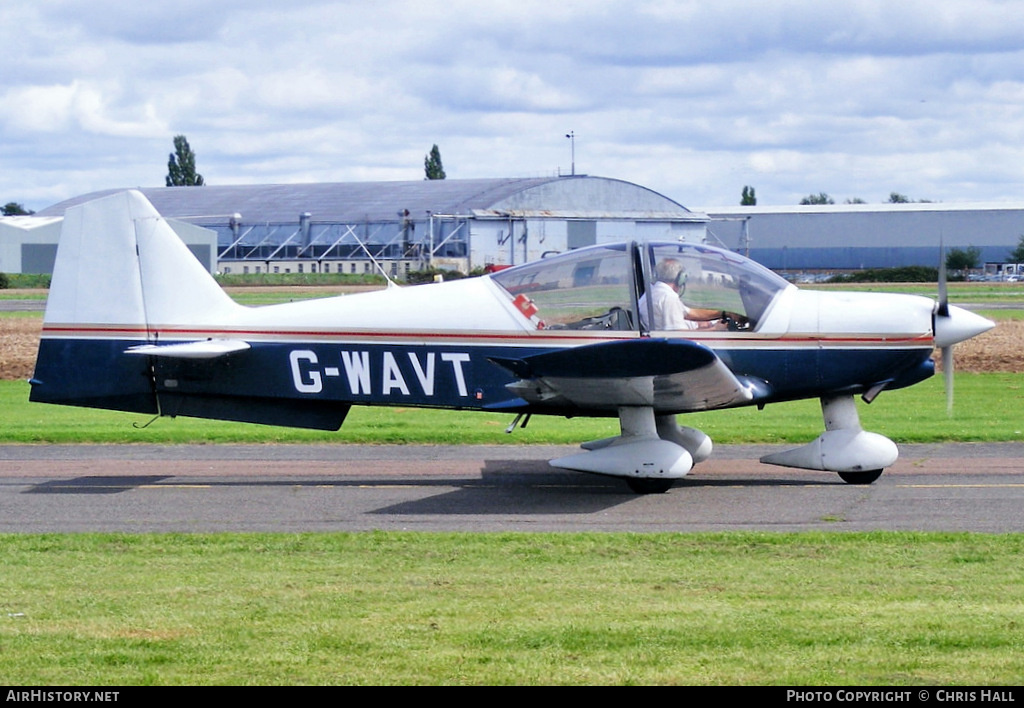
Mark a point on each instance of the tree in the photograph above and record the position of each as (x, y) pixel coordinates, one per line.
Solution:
(960, 259)
(819, 198)
(897, 198)
(181, 165)
(432, 164)
(856, 200)
(1017, 254)
(15, 209)
(748, 197)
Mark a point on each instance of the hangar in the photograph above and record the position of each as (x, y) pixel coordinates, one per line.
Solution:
(855, 236)
(406, 226)
(28, 244)
(472, 223)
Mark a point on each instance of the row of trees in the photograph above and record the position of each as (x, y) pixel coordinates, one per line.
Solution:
(748, 198)
(181, 165)
(894, 198)
(15, 209)
(181, 171)
(964, 259)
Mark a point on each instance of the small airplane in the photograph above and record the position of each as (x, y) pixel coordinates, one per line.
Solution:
(135, 323)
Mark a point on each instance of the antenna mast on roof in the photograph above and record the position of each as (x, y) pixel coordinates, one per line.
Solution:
(378, 266)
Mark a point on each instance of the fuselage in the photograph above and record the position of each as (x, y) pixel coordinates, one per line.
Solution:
(442, 345)
(640, 331)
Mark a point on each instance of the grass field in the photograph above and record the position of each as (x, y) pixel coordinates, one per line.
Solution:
(888, 609)
(409, 608)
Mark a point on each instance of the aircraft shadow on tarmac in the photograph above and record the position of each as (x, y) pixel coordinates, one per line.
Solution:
(504, 486)
(98, 484)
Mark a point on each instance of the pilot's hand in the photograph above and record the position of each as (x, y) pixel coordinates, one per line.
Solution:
(734, 321)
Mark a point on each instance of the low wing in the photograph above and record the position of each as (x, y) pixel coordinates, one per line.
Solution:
(672, 375)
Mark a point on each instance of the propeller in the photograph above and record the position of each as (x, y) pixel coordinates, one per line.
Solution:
(952, 324)
(942, 310)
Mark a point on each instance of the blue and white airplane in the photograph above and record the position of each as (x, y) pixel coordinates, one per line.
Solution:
(135, 323)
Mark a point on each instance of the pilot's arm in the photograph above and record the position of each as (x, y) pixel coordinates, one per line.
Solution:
(712, 319)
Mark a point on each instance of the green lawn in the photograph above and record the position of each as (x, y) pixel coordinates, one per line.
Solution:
(897, 609)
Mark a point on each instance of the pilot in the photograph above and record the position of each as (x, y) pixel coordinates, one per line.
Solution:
(669, 310)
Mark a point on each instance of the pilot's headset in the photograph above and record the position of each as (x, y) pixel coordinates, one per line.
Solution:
(671, 271)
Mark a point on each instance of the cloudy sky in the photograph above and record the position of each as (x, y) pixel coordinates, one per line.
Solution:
(694, 99)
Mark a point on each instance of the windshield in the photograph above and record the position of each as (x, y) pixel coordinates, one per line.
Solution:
(707, 279)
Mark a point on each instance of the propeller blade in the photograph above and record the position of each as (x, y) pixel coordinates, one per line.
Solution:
(943, 308)
(956, 325)
(947, 375)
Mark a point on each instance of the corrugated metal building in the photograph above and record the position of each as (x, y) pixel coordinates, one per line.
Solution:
(464, 224)
(454, 224)
(853, 236)
(28, 244)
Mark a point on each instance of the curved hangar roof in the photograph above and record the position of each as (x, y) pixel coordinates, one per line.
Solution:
(387, 201)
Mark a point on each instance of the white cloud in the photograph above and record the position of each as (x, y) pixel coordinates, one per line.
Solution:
(76, 106)
(691, 98)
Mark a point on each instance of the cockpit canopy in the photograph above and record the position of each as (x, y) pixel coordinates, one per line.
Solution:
(603, 287)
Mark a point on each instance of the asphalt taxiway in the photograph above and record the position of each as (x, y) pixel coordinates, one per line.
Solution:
(292, 488)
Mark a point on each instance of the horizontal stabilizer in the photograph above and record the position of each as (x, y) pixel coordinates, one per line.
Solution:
(205, 349)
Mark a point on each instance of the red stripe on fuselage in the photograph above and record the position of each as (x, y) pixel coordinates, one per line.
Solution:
(539, 338)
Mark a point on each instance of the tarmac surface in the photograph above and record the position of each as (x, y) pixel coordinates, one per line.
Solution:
(295, 488)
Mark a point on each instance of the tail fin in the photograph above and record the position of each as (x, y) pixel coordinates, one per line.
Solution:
(122, 278)
(121, 274)
(119, 263)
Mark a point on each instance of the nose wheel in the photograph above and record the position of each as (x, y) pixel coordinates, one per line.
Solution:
(855, 454)
(649, 486)
(860, 477)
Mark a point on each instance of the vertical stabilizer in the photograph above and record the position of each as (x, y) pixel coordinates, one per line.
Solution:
(121, 274)
(96, 278)
(119, 263)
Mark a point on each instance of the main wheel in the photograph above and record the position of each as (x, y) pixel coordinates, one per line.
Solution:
(860, 477)
(646, 485)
